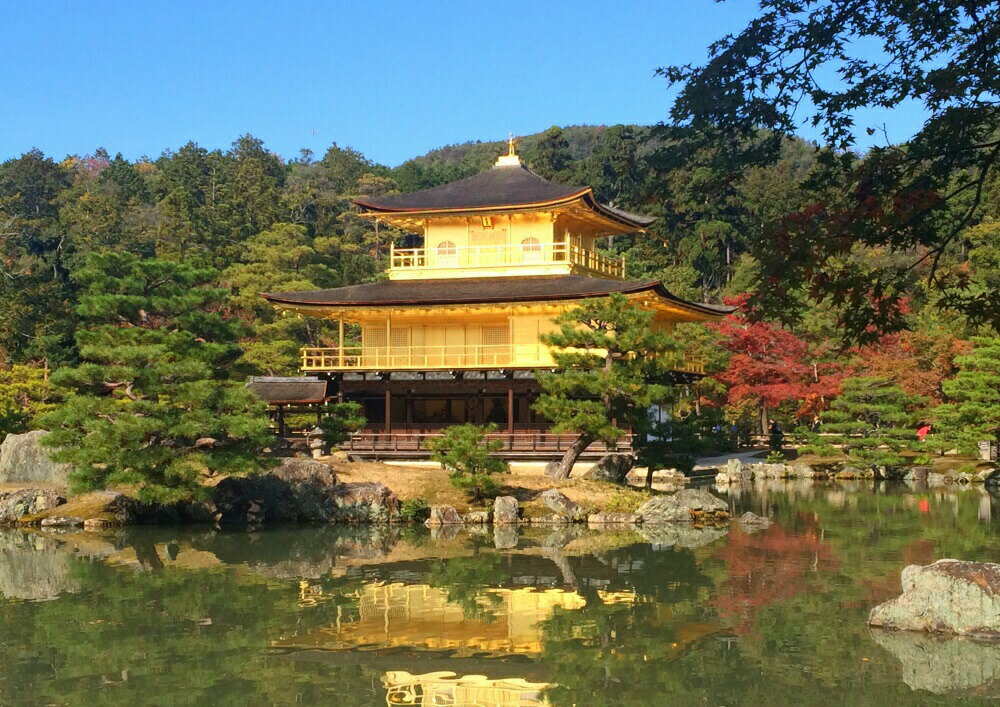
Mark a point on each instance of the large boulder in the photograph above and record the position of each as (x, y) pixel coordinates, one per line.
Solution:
(563, 505)
(443, 515)
(611, 467)
(948, 596)
(16, 504)
(684, 506)
(364, 502)
(24, 459)
(297, 490)
(505, 510)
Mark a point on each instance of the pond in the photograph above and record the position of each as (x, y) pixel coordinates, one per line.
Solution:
(564, 616)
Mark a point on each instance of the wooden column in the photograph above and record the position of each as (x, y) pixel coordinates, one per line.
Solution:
(388, 406)
(340, 339)
(510, 416)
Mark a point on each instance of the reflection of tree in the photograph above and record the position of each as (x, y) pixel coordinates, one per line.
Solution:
(768, 567)
(466, 579)
(170, 636)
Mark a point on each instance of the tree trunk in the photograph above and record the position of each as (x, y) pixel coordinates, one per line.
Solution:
(562, 468)
(649, 478)
(765, 424)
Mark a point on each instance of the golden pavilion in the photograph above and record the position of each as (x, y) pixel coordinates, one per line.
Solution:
(452, 335)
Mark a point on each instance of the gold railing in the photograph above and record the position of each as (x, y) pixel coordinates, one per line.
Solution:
(401, 358)
(491, 256)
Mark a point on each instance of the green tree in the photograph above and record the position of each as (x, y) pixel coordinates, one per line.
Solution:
(972, 412)
(469, 457)
(612, 364)
(24, 393)
(875, 420)
(801, 64)
(152, 404)
(341, 420)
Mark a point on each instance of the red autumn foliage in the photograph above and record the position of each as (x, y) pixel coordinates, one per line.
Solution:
(917, 361)
(768, 567)
(771, 366)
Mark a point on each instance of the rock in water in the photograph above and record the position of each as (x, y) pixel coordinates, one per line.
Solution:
(25, 502)
(611, 467)
(505, 510)
(364, 502)
(563, 505)
(23, 458)
(297, 490)
(443, 515)
(683, 507)
(948, 596)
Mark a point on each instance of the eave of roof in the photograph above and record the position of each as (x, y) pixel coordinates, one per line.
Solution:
(470, 291)
(504, 188)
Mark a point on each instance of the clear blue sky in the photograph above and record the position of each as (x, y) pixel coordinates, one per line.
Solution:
(392, 79)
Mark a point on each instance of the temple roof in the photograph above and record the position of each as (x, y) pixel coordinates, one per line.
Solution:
(503, 187)
(280, 389)
(482, 290)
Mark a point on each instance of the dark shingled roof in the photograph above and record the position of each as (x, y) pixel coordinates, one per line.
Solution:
(499, 187)
(276, 390)
(477, 290)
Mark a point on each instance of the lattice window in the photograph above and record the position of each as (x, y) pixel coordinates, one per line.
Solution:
(400, 337)
(375, 336)
(496, 335)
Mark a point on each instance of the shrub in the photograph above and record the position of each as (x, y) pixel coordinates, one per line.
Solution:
(414, 510)
(342, 419)
(775, 457)
(468, 456)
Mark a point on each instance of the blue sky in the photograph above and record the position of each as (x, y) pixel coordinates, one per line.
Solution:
(392, 79)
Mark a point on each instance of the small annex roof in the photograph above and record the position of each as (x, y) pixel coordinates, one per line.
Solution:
(478, 290)
(280, 390)
(502, 187)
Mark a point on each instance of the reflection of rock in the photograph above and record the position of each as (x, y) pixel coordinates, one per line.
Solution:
(15, 504)
(563, 505)
(449, 531)
(562, 536)
(680, 535)
(751, 522)
(612, 519)
(505, 537)
(948, 596)
(945, 665)
(684, 506)
(34, 567)
(22, 458)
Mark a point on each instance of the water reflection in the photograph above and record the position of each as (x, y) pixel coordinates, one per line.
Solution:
(558, 616)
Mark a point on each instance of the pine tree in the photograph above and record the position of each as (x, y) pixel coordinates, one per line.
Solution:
(973, 411)
(151, 405)
(24, 393)
(612, 365)
(875, 420)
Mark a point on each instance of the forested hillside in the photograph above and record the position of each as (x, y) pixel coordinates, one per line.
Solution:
(264, 222)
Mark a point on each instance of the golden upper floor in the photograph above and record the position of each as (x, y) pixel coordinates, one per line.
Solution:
(505, 221)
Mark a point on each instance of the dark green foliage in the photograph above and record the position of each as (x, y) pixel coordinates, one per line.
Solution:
(972, 412)
(875, 420)
(24, 393)
(613, 364)
(152, 403)
(469, 457)
(340, 421)
(871, 227)
(414, 510)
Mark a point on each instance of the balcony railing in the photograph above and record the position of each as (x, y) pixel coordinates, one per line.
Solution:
(428, 358)
(492, 256)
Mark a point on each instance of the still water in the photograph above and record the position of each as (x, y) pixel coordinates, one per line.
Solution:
(370, 616)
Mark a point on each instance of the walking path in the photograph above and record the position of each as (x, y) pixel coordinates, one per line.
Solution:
(754, 455)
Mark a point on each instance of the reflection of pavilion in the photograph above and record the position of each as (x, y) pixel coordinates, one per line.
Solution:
(446, 688)
(500, 620)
